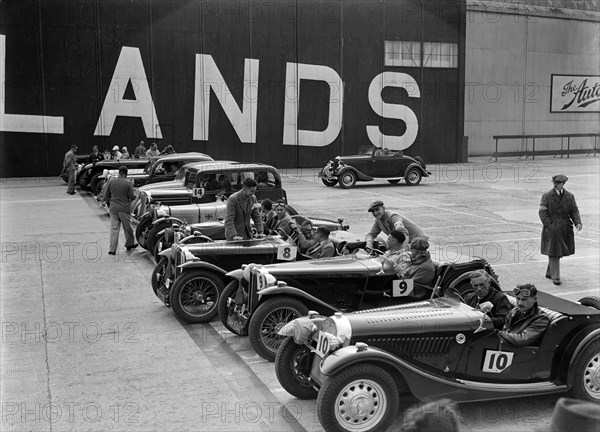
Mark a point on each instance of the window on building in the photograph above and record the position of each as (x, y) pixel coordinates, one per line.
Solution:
(408, 54)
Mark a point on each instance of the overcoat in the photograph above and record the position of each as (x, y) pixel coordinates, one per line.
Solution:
(558, 214)
(239, 212)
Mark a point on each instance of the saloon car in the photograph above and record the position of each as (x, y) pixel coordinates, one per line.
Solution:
(373, 163)
(191, 275)
(357, 364)
(251, 306)
(89, 175)
(157, 170)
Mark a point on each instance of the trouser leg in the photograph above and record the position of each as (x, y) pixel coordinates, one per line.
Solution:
(71, 182)
(115, 225)
(124, 218)
(554, 267)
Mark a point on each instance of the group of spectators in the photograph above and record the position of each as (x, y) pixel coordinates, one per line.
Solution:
(117, 153)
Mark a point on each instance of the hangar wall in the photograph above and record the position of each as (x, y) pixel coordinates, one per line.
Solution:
(512, 51)
(291, 83)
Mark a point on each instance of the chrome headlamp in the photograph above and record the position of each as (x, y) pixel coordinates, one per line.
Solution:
(337, 330)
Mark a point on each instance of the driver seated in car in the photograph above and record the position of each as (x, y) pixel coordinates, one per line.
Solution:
(491, 301)
(324, 247)
(396, 254)
(420, 268)
(305, 238)
(526, 323)
(283, 218)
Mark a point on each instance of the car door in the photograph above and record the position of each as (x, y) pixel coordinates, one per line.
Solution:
(383, 163)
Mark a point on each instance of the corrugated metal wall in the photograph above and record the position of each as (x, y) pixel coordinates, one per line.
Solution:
(60, 57)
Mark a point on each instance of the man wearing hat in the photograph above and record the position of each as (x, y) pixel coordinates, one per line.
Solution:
(324, 248)
(420, 268)
(558, 213)
(116, 154)
(524, 324)
(118, 196)
(386, 221)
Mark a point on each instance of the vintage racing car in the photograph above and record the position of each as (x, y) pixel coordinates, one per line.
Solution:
(251, 306)
(373, 163)
(357, 364)
(191, 275)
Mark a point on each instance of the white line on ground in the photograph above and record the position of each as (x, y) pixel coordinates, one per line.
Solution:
(34, 201)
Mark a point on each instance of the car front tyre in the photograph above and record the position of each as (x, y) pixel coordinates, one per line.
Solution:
(347, 180)
(413, 177)
(328, 182)
(268, 319)
(195, 296)
(292, 367)
(363, 397)
(585, 373)
(228, 314)
(141, 231)
(158, 274)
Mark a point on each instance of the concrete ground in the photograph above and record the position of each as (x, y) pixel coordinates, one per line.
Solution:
(87, 346)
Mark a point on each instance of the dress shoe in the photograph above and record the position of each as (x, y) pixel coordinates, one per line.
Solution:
(71, 193)
(548, 276)
(556, 281)
(111, 253)
(133, 246)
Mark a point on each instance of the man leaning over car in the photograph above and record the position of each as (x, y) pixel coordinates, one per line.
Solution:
(525, 324)
(241, 207)
(493, 302)
(387, 221)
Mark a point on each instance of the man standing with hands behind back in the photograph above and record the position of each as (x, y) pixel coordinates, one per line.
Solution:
(69, 166)
(241, 207)
(119, 194)
(558, 212)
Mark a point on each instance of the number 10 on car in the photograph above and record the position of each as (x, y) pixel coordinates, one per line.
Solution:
(497, 361)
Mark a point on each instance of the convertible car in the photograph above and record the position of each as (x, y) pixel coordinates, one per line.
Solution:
(357, 364)
(253, 306)
(373, 163)
(89, 175)
(191, 275)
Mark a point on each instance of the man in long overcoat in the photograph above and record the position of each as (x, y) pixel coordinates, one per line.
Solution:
(558, 213)
(241, 208)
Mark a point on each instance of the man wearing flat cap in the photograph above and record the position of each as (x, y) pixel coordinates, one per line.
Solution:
(386, 221)
(558, 213)
(420, 268)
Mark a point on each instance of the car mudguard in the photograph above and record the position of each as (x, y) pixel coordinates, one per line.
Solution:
(167, 219)
(574, 347)
(419, 167)
(236, 274)
(201, 265)
(294, 292)
(166, 253)
(359, 175)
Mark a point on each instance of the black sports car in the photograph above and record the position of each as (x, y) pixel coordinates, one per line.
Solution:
(373, 163)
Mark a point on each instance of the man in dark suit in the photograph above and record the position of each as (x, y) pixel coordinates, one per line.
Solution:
(119, 194)
(558, 212)
(70, 166)
(241, 208)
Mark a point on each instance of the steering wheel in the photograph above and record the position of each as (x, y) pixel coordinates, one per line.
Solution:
(374, 252)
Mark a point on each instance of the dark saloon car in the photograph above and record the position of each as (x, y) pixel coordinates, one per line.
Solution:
(91, 173)
(373, 163)
(357, 364)
(342, 283)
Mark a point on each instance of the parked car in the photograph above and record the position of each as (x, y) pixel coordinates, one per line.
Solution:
(157, 170)
(188, 222)
(373, 163)
(344, 283)
(191, 275)
(89, 175)
(80, 161)
(205, 182)
(437, 347)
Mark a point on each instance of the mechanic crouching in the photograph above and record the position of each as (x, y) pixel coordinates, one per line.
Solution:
(525, 324)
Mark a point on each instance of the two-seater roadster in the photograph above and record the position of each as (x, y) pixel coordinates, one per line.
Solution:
(191, 275)
(357, 364)
(251, 305)
(373, 163)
